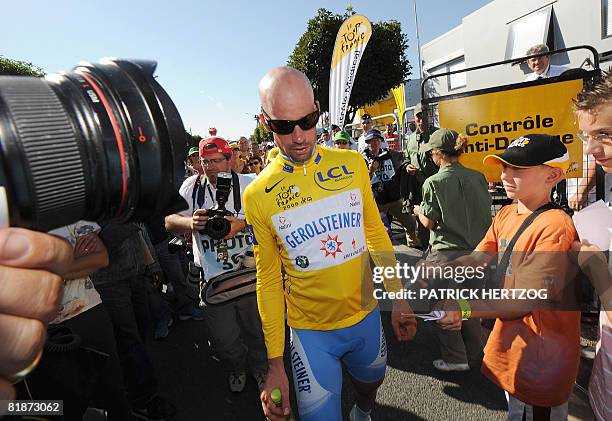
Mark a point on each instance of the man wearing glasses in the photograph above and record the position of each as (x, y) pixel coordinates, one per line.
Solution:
(593, 107)
(366, 125)
(226, 335)
(342, 140)
(312, 211)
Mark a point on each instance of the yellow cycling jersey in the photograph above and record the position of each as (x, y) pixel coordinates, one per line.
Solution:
(321, 222)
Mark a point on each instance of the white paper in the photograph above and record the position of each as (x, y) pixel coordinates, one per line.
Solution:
(434, 315)
(594, 223)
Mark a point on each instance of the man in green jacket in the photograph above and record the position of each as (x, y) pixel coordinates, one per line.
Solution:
(420, 166)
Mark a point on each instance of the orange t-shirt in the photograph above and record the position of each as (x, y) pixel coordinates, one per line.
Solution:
(535, 358)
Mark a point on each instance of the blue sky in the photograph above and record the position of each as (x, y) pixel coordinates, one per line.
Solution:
(211, 54)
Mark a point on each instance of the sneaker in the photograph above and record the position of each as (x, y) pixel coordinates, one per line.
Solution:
(442, 365)
(260, 378)
(237, 381)
(357, 414)
(195, 314)
(158, 409)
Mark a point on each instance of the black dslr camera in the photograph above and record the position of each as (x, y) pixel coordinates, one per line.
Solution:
(217, 227)
(380, 157)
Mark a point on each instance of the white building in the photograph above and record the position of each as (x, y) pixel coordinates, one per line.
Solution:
(505, 29)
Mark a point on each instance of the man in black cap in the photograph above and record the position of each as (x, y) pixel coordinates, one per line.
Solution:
(366, 125)
(385, 165)
(420, 166)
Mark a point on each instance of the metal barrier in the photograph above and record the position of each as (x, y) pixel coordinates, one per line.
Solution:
(399, 145)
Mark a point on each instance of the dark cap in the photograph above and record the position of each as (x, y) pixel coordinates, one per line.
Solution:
(373, 134)
(365, 117)
(442, 139)
(532, 150)
(193, 150)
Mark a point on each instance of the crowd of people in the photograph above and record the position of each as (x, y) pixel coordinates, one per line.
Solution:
(284, 235)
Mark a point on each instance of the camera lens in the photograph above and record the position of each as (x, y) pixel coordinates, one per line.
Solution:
(101, 142)
(217, 227)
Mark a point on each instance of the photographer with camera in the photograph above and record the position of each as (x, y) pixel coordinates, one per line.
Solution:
(385, 166)
(220, 241)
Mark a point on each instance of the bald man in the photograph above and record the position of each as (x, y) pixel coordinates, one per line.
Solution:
(312, 210)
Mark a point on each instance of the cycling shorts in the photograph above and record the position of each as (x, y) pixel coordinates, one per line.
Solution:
(316, 357)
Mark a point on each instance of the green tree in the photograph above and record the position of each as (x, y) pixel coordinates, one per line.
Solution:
(10, 67)
(260, 134)
(383, 65)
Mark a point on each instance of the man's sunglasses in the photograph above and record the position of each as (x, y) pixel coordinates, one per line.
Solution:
(341, 142)
(286, 126)
(254, 163)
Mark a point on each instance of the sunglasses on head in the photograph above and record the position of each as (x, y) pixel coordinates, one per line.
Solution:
(286, 126)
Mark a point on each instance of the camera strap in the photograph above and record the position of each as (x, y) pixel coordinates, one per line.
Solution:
(199, 192)
(500, 272)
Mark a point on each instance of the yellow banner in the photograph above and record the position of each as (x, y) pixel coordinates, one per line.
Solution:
(351, 41)
(399, 95)
(354, 32)
(493, 120)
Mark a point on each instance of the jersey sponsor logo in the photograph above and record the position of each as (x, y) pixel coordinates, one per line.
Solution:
(331, 246)
(252, 232)
(357, 250)
(302, 261)
(284, 223)
(312, 223)
(323, 225)
(301, 372)
(269, 189)
(334, 179)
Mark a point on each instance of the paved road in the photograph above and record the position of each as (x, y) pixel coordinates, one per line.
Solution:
(413, 389)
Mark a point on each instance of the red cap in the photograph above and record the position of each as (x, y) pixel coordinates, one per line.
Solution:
(212, 145)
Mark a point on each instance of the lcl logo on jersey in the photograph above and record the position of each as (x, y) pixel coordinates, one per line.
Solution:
(334, 178)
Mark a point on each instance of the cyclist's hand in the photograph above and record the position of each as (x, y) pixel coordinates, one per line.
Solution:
(403, 321)
(276, 378)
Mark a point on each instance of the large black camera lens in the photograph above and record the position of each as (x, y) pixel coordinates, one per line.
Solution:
(217, 227)
(102, 142)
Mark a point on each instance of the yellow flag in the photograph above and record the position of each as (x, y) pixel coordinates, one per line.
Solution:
(351, 41)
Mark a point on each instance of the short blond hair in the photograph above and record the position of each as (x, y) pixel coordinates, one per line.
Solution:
(595, 93)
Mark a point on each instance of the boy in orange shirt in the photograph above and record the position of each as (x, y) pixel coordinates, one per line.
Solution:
(533, 350)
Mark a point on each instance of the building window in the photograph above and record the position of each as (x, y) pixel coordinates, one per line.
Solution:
(458, 80)
(606, 19)
(527, 31)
